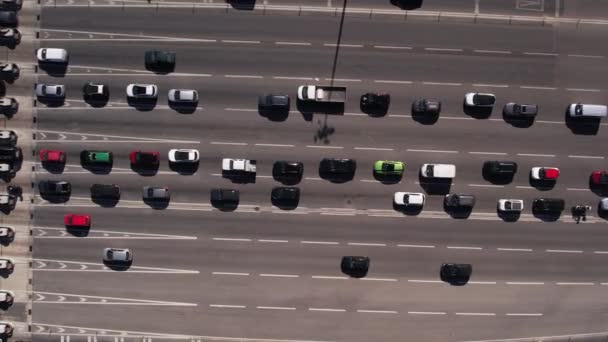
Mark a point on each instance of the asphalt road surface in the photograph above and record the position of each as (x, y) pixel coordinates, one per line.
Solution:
(261, 272)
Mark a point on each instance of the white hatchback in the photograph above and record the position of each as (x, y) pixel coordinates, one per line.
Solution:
(183, 96)
(183, 155)
(52, 55)
(142, 91)
(510, 205)
(414, 199)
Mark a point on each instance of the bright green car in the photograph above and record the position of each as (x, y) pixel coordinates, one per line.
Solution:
(96, 158)
(388, 168)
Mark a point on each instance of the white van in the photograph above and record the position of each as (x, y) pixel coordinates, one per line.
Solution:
(579, 110)
(438, 171)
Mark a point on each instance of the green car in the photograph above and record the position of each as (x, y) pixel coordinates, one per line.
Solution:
(96, 158)
(388, 168)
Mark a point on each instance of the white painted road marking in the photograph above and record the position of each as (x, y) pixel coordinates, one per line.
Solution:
(230, 273)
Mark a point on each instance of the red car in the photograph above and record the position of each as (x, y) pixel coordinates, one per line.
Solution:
(599, 177)
(144, 159)
(76, 220)
(52, 156)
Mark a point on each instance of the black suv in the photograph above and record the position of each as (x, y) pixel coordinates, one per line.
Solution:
(274, 103)
(548, 205)
(375, 101)
(109, 191)
(456, 274)
(10, 154)
(95, 91)
(497, 168)
(426, 107)
(160, 61)
(459, 201)
(8, 138)
(337, 168)
(225, 197)
(288, 171)
(285, 194)
(9, 18)
(54, 188)
(355, 266)
(524, 111)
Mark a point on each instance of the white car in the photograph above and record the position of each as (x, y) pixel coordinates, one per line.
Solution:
(6, 329)
(118, 255)
(6, 264)
(7, 233)
(56, 91)
(415, 199)
(510, 205)
(544, 173)
(604, 204)
(183, 155)
(479, 100)
(142, 91)
(183, 96)
(6, 297)
(52, 55)
(10, 36)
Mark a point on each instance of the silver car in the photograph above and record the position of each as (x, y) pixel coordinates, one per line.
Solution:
(183, 96)
(117, 255)
(6, 297)
(6, 264)
(7, 233)
(56, 91)
(155, 193)
(52, 55)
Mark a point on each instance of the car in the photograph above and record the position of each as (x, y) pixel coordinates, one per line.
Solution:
(8, 138)
(338, 166)
(144, 159)
(109, 191)
(155, 193)
(273, 102)
(375, 101)
(479, 100)
(10, 154)
(510, 205)
(225, 196)
(438, 171)
(8, 201)
(52, 156)
(599, 178)
(355, 266)
(6, 265)
(183, 155)
(14, 5)
(516, 110)
(283, 170)
(497, 168)
(156, 60)
(54, 188)
(10, 36)
(285, 194)
(459, 201)
(234, 167)
(603, 206)
(95, 91)
(183, 96)
(52, 55)
(9, 18)
(7, 233)
(117, 255)
(77, 220)
(142, 91)
(6, 329)
(587, 111)
(96, 158)
(6, 298)
(426, 107)
(9, 71)
(544, 173)
(7, 169)
(409, 199)
(8, 105)
(388, 168)
(50, 91)
(548, 205)
(455, 274)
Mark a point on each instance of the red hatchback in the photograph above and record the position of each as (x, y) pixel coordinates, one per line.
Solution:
(52, 156)
(144, 159)
(599, 177)
(76, 220)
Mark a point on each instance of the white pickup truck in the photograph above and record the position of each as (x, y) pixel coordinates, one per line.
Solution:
(312, 93)
(244, 166)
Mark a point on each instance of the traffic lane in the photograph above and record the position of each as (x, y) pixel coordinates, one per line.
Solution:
(584, 9)
(290, 28)
(308, 261)
(355, 62)
(395, 232)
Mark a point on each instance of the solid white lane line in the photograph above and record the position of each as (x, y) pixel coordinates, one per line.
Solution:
(368, 180)
(550, 122)
(576, 189)
(490, 153)
(417, 246)
(230, 273)
(399, 116)
(524, 283)
(293, 78)
(320, 242)
(292, 43)
(366, 244)
(337, 214)
(536, 155)
(343, 45)
(380, 279)
(374, 149)
(344, 79)
(378, 311)
(274, 145)
(313, 178)
(329, 277)
(273, 241)
(524, 187)
(274, 308)
(604, 284)
(321, 146)
(575, 284)
(585, 56)
(354, 114)
(241, 41)
(540, 54)
(426, 313)
(515, 249)
(423, 281)
(442, 83)
(493, 51)
(228, 143)
(393, 47)
(243, 76)
(491, 85)
(460, 247)
(482, 282)
(584, 90)
(431, 151)
(279, 275)
(443, 49)
(241, 109)
(525, 314)
(326, 310)
(232, 239)
(600, 252)
(562, 251)
(585, 157)
(537, 88)
(393, 81)
(475, 314)
(486, 185)
(227, 306)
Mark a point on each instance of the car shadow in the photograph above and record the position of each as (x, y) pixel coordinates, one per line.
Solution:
(354, 274)
(78, 231)
(183, 108)
(374, 112)
(387, 180)
(582, 126)
(96, 103)
(458, 213)
(55, 198)
(6, 210)
(542, 185)
(55, 168)
(239, 179)
(223, 206)
(547, 216)
(497, 180)
(411, 5)
(274, 115)
(143, 171)
(338, 179)
(243, 5)
(117, 266)
(6, 273)
(51, 102)
(309, 108)
(286, 181)
(509, 216)
(105, 202)
(5, 306)
(407, 210)
(98, 170)
(435, 186)
(54, 70)
(185, 169)
(518, 122)
(477, 112)
(142, 105)
(7, 177)
(285, 205)
(157, 204)
(602, 213)
(6, 241)
(425, 119)
(598, 189)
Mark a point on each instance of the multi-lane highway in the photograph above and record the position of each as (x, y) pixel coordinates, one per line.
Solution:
(260, 272)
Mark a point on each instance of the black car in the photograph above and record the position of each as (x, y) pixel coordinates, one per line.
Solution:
(9, 71)
(160, 60)
(54, 188)
(109, 191)
(143, 159)
(426, 107)
(456, 274)
(10, 154)
(285, 194)
(13, 5)
(459, 201)
(407, 4)
(8, 138)
(337, 167)
(375, 101)
(8, 18)
(290, 171)
(355, 266)
(496, 168)
(520, 110)
(95, 91)
(10, 37)
(275, 103)
(225, 196)
(548, 205)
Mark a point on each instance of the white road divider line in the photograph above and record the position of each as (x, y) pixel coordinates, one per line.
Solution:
(443, 49)
(366, 244)
(241, 109)
(562, 251)
(538, 88)
(393, 47)
(344, 79)
(379, 279)
(275, 308)
(475, 314)
(585, 157)
(576, 189)
(493, 51)
(368, 180)
(243, 76)
(524, 283)
(584, 90)
(431, 151)
(274, 145)
(442, 83)
(273, 241)
(293, 78)
(491, 85)
(228, 143)
(575, 284)
(354, 114)
(279, 275)
(326, 310)
(378, 311)
(393, 81)
(319, 242)
(486, 185)
(515, 249)
(585, 56)
(540, 54)
(423, 281)
(525, 314)
(241, 41)
(292, 43)
(313, 178)
(536, 155)
(416, 246)
(461, 247)
(343, 45)
(230, 273)
(482, 282)
(227, 306)
(490, 153)
(523, 187)
(600, 252)
(374, 149)
(232, 239)
(322, 146)
(426, 313)
(329, 277)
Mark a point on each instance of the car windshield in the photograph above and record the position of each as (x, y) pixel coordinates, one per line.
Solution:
(388, 167)
(139, 90)
(43, 53)
(578, 110)
(182, 155)
(305, 92)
